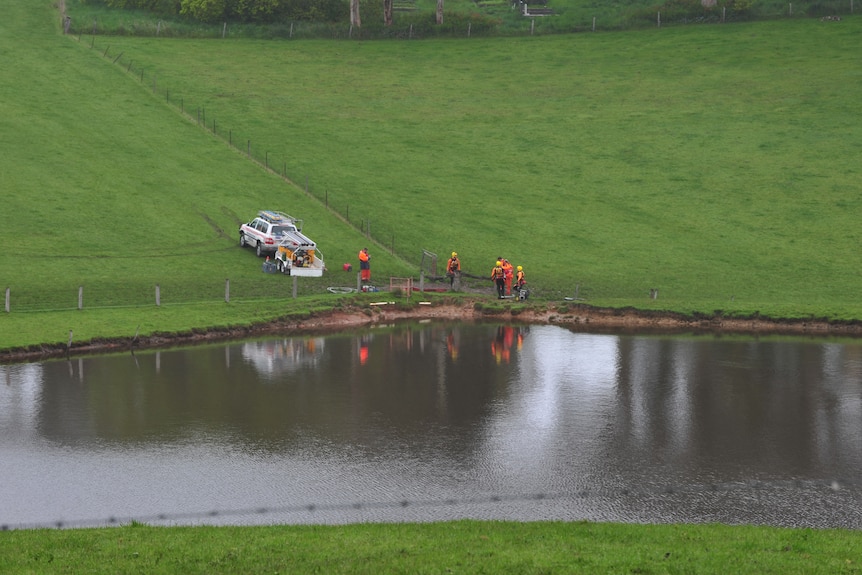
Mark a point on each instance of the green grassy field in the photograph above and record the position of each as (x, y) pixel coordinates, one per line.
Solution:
(713, 163)
(716, 164)
(454, 547)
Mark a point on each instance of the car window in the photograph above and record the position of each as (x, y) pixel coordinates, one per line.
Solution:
(279, 230)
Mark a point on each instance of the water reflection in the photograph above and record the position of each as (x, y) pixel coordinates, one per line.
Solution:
(647, 425)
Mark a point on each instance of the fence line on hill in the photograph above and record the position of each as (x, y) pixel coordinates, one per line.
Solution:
(382, 236)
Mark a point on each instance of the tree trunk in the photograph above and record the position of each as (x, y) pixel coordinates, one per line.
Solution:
(354, 14)
(439, 11)
(387, 12)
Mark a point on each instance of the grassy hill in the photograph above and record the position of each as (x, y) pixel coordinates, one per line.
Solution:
(713, 163)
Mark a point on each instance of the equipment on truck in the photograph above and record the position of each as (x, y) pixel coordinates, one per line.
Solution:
(297, 254)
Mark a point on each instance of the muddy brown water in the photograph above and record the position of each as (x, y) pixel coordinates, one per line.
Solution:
(438, 421)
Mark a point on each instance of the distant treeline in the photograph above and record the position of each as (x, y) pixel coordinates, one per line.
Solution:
(247, 11)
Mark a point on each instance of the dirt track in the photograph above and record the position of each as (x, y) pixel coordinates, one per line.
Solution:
(578, 317)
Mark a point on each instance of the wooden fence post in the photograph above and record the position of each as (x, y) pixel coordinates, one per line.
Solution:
(80, 297)
(158, 296)
(294, 286)
(227, 290)
(7, 300)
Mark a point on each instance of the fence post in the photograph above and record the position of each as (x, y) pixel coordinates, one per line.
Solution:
(594, 23)
(421, 281)
(358, 281)
(227, 290)
(294, 286)
(658, 20)
(7, 300)
(80, 297)
(158, 296)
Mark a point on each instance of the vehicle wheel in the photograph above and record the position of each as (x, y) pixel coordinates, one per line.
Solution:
(242, 242)
(259, 250)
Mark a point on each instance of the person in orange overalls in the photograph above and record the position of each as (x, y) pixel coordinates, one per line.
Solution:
(364, 265)
(499, 277)
(520, 279)
(509, 273)
(453, 268)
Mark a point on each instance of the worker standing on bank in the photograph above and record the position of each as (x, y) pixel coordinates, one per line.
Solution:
(364, 265)
(520, 279)
(509, 273)
(453, 268)
(499, 277)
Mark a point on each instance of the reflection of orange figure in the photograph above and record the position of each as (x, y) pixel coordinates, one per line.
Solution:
(501, 345)
(497, 351)
(452, 346)
(363, 354)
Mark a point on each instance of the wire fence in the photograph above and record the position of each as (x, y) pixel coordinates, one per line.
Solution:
(821, 487)
(106, 294)
(274, 162)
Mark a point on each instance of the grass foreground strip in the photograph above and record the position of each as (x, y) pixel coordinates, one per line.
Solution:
(449, 547)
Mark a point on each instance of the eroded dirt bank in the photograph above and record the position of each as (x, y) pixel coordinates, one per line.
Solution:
(578, 317)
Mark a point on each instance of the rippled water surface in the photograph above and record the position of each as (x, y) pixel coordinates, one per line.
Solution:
(432, 422)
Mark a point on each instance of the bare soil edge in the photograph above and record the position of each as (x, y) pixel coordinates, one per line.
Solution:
(579, 317)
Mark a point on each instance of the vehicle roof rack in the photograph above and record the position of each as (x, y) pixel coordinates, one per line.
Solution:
(274, 217)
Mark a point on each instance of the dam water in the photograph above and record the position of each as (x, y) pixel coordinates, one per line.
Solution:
(429, 422)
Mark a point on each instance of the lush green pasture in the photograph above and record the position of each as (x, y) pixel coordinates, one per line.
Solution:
(458, 547)
(715, 164)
